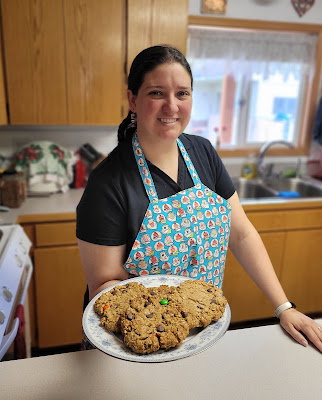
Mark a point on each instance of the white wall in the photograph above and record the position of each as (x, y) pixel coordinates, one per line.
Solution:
(268, 10)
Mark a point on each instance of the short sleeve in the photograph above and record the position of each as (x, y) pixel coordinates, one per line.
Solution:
(101, 216)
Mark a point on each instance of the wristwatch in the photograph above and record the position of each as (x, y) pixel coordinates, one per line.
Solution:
(283, 307)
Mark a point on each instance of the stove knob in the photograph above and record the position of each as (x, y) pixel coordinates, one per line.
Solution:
(22, 247)
(6, 294)
(19, 261)
(2, 317)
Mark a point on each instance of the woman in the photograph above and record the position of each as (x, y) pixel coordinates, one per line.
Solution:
(162, 201)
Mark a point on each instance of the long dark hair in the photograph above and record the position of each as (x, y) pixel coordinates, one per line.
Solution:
(144, 62)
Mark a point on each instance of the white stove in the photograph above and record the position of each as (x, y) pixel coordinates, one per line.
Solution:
(15, 274)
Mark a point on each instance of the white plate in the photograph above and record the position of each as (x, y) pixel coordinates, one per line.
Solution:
(198, 340)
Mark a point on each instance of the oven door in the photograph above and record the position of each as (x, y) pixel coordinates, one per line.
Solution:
(20, 321)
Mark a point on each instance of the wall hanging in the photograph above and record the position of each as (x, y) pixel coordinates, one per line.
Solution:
(213, 6)
(302, 6)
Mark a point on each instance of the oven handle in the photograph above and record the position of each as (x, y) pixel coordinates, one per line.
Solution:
(28, 265)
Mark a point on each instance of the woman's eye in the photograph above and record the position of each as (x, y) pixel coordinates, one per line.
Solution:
(155, 93)
(183, 94)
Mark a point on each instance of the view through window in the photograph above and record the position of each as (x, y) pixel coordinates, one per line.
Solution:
(249, 86)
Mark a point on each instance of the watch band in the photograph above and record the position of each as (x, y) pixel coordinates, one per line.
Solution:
(283, 307)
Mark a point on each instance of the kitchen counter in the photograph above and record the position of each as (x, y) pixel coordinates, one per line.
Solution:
(255, 363)
(40, 209)
(37, 209)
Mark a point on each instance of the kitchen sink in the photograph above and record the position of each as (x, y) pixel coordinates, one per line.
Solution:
(272, 188)
(302, 187)
(252, 189)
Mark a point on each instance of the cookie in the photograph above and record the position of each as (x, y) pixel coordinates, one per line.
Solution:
(203, 302)
(111, 305)
(148, 325)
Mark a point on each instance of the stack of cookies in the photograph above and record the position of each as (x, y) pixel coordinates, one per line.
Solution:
(159, 317)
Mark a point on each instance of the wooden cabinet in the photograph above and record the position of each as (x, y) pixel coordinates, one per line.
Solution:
(57, 289)
(65, 60)
(34, 53)
(95, 51)
(156, 22)
(302, 269)
(292, 235)
(3, 98)
(60, 287)
(246, 300)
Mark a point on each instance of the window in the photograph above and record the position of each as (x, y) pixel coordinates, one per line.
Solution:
(250, 85)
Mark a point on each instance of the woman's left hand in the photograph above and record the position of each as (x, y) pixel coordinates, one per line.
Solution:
(296, 323)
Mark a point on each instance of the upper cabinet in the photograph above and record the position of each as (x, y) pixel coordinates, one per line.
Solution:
(153, 22)
(95, 50)
(65, 60)
(34, 54)
(3, 99)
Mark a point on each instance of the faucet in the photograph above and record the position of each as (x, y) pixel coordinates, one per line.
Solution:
(265, 171)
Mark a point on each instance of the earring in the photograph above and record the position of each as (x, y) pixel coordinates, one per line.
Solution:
(133, 120)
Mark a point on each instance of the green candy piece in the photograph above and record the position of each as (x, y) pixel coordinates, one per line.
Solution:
(164, 302)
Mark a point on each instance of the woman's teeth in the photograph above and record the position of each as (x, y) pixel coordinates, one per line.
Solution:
(168, 120)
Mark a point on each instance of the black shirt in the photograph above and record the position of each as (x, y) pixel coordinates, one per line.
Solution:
(114, 202)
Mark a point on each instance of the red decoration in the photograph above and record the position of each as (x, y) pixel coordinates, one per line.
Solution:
(302, 6)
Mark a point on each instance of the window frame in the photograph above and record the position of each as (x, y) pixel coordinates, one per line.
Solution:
(312, 87)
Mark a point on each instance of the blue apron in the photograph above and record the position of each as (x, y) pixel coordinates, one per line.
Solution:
(185, 234)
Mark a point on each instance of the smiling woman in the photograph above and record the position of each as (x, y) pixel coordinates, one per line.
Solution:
(163, 203)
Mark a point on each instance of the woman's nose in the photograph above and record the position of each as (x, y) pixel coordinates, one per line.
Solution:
(170, 105)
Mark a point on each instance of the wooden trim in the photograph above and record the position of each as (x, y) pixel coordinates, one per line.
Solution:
(312, 89)
(254, 24)
(283, 205)
(29, 218)
(273, 151)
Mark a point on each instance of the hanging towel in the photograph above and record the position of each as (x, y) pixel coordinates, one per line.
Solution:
(19, 343)
(317, 127)
(46, 165)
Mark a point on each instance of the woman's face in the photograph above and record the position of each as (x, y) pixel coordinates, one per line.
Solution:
(163, 103)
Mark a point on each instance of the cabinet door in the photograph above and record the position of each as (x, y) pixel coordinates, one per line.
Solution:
(302, 269)
(95, 51)
(33, 35)
(60, 287)
(156, 22)
(3, 100)
(246, 300)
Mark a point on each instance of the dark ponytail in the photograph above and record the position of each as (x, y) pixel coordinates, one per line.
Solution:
(125, 130)
(144, 62)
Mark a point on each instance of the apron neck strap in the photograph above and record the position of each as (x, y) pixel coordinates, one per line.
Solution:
(191, 168)
(145, 172)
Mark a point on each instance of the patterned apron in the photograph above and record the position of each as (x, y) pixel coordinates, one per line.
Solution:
(185, 234)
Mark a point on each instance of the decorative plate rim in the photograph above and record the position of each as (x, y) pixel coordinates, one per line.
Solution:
(198, 340)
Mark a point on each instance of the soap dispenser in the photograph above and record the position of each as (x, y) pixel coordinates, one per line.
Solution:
(249, 168)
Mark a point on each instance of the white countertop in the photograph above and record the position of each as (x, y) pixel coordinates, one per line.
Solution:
(256, 363)
(53, 204)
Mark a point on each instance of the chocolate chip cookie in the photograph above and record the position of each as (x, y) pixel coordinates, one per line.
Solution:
(203, 302)
(111, 305)
(149, 324)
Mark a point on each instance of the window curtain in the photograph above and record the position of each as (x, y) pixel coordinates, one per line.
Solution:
(244, 51)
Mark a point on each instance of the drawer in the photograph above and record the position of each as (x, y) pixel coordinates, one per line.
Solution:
(55, 234)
